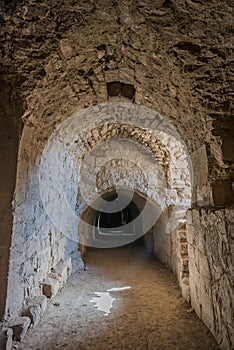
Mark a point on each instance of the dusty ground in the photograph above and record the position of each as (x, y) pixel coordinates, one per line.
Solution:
(150, 315)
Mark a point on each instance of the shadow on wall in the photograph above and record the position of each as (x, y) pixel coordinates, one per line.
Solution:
(11, 109)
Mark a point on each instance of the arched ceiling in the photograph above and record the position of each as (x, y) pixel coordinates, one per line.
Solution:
(175, 53)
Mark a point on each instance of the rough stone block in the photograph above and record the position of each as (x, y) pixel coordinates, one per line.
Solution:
(60, 272)
(33, 312)
(6, 335)
(20, 327)
(41, 300)
(36, 309)
(185, 265)
(50, 288)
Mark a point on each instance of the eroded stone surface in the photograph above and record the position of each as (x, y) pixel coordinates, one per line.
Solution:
(210, 237)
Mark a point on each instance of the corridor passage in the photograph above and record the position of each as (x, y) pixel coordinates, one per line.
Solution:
(147, 312)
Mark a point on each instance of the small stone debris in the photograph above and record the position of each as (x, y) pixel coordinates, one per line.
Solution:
(50, 288)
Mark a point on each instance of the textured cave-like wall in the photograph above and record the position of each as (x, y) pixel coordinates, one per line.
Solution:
(176, 54)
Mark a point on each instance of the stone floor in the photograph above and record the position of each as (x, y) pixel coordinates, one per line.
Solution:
(149, 315)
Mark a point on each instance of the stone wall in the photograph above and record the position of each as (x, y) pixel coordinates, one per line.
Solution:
(210, 234)
(37, 246)
(172, 247)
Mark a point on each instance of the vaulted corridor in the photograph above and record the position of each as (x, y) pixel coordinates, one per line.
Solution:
(116, 128)
(151, 314)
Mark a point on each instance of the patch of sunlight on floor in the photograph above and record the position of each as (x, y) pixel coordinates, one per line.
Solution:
(104, 300)
(117, 289)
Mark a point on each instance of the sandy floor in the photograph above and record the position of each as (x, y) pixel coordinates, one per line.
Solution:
(149, 315)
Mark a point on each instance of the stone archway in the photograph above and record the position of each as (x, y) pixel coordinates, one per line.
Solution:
(162, 173)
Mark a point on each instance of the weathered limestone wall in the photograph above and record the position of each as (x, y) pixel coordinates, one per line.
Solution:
(210, 234)
(172, 247)
(210, 230)
(201, 253)
(37, 246)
